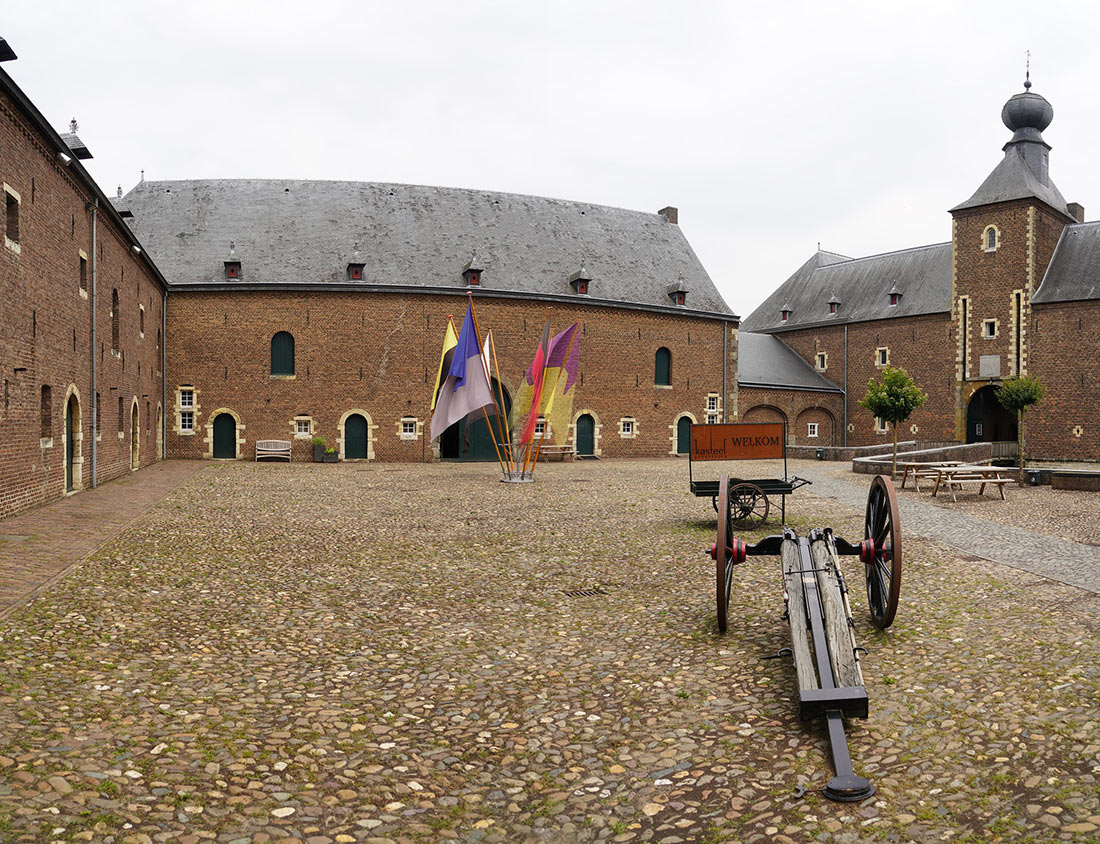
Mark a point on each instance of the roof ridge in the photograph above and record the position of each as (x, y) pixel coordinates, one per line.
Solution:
(452, 188)
(894, 252)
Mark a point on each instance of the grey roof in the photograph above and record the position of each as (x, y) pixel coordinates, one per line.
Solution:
(304, 233)
(863, 285)
(763, 360)
(1014, 179)
(1074, 271)
(78, 147)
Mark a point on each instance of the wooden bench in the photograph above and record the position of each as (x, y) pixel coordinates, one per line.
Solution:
(276, 449)
(559, 451)
(970, 480)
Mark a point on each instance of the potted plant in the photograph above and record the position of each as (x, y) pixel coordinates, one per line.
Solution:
(330, 455)
(319, 449)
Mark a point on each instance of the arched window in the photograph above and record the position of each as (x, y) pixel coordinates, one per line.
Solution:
(991, 239)
(114, 319)
(662, 368)
(282, 354)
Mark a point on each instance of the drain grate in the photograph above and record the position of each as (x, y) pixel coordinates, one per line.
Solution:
(583, 593)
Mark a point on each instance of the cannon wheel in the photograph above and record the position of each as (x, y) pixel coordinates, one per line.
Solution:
(723, 566)
(883, 525)
(748, 506)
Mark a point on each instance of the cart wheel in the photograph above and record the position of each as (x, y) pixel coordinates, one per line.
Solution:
(748, 506)
(882, 560)
(723, 565)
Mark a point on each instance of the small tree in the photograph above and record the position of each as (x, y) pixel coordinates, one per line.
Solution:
(1016, 395)
(893, 399)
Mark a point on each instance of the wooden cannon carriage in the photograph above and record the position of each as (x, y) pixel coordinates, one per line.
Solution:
(823, 645)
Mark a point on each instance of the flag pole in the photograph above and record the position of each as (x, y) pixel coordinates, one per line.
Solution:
(535, 406)
(485, 413)
(496, 363)
(502, 423)
(557, 380)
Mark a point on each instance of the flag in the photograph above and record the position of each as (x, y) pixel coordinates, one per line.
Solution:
(466, 387)
(450, 340)
(564, 360)
(535, 378)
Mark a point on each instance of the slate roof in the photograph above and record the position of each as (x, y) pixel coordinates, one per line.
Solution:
(1074, 271)
(863, 285)
(1014, 179)
(763, 360)
(304, 233)
(78, 147)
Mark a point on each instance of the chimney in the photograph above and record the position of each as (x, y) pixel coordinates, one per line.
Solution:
(671, 214)
(1077, 211)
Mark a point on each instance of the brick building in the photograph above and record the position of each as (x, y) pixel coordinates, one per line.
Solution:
(305, 308)
(1015, 291)
(81, 333)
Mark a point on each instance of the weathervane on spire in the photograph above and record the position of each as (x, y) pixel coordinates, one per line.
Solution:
(1027, 75)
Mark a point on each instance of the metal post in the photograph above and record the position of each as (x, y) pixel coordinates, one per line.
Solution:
(94, 206)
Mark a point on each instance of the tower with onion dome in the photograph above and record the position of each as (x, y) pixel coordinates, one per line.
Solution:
(1003, 239)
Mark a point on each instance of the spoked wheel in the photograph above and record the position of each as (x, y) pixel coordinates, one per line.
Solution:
(723, 565)
(748, 506)
(882, 551)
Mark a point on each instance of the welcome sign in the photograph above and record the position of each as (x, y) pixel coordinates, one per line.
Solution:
(738, 441)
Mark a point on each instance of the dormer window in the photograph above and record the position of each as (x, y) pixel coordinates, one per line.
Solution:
(678, 293)
(579, 281)
(582, 286)
(232, 269)
(894, 295)
(834, 306)
(471, 273)
(785, 314)
(355, 272)
(894, 298)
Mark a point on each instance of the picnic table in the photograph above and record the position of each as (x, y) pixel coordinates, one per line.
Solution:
(959, 476)
(929, 471)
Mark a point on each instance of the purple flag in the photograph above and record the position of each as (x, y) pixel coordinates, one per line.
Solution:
(466, 387)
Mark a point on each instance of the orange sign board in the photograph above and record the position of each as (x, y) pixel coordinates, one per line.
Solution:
(737, 441)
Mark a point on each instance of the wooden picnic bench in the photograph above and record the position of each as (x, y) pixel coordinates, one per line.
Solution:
(981, 476)
(558, 451)
(276, 449)
(928, 471)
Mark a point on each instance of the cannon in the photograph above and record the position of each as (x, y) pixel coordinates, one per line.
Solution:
(823, 645)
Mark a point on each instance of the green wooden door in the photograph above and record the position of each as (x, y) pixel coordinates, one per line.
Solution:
(683, 435)
(70, 444)
(355, 437)
(586, 435)
(225, 437)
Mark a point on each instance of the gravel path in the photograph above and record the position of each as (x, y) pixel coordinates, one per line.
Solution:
(388, 654)
(1066, 561)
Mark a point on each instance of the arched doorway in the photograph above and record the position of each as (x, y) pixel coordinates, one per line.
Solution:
(135, 454)
(986, 420)
(225, 437)
(471, 440)
(355, 437)
(586, 435)
(72, 425)
(683, 435)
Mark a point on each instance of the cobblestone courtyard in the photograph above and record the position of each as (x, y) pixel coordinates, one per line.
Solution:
(386, 653)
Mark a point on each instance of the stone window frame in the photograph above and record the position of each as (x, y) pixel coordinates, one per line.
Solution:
(191, 407)
(821, 361)
(83, 279)
(986, 333)
(403, 424)
(628, 428)
(12, 198)
(186, 422)
(541, 427)
(295, 425)
(811, 430)
(996, 238)
(880, 426)
(882, 356)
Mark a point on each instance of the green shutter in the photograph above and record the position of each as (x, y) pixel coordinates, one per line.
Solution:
(662, 367)
(282, 354)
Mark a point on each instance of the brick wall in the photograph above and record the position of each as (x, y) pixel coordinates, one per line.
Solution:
(797, 408)
(919, 345)
(1065, 356)
(45, 329)
(378, 353)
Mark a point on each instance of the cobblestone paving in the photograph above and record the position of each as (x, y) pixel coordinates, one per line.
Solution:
(386, 654)
(985, 535)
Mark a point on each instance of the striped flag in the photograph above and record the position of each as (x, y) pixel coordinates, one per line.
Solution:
(466, 387)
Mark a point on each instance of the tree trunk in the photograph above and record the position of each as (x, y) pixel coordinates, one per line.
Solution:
(894, 468)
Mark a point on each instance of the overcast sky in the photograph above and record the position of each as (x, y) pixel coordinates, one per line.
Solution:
(771, 126)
